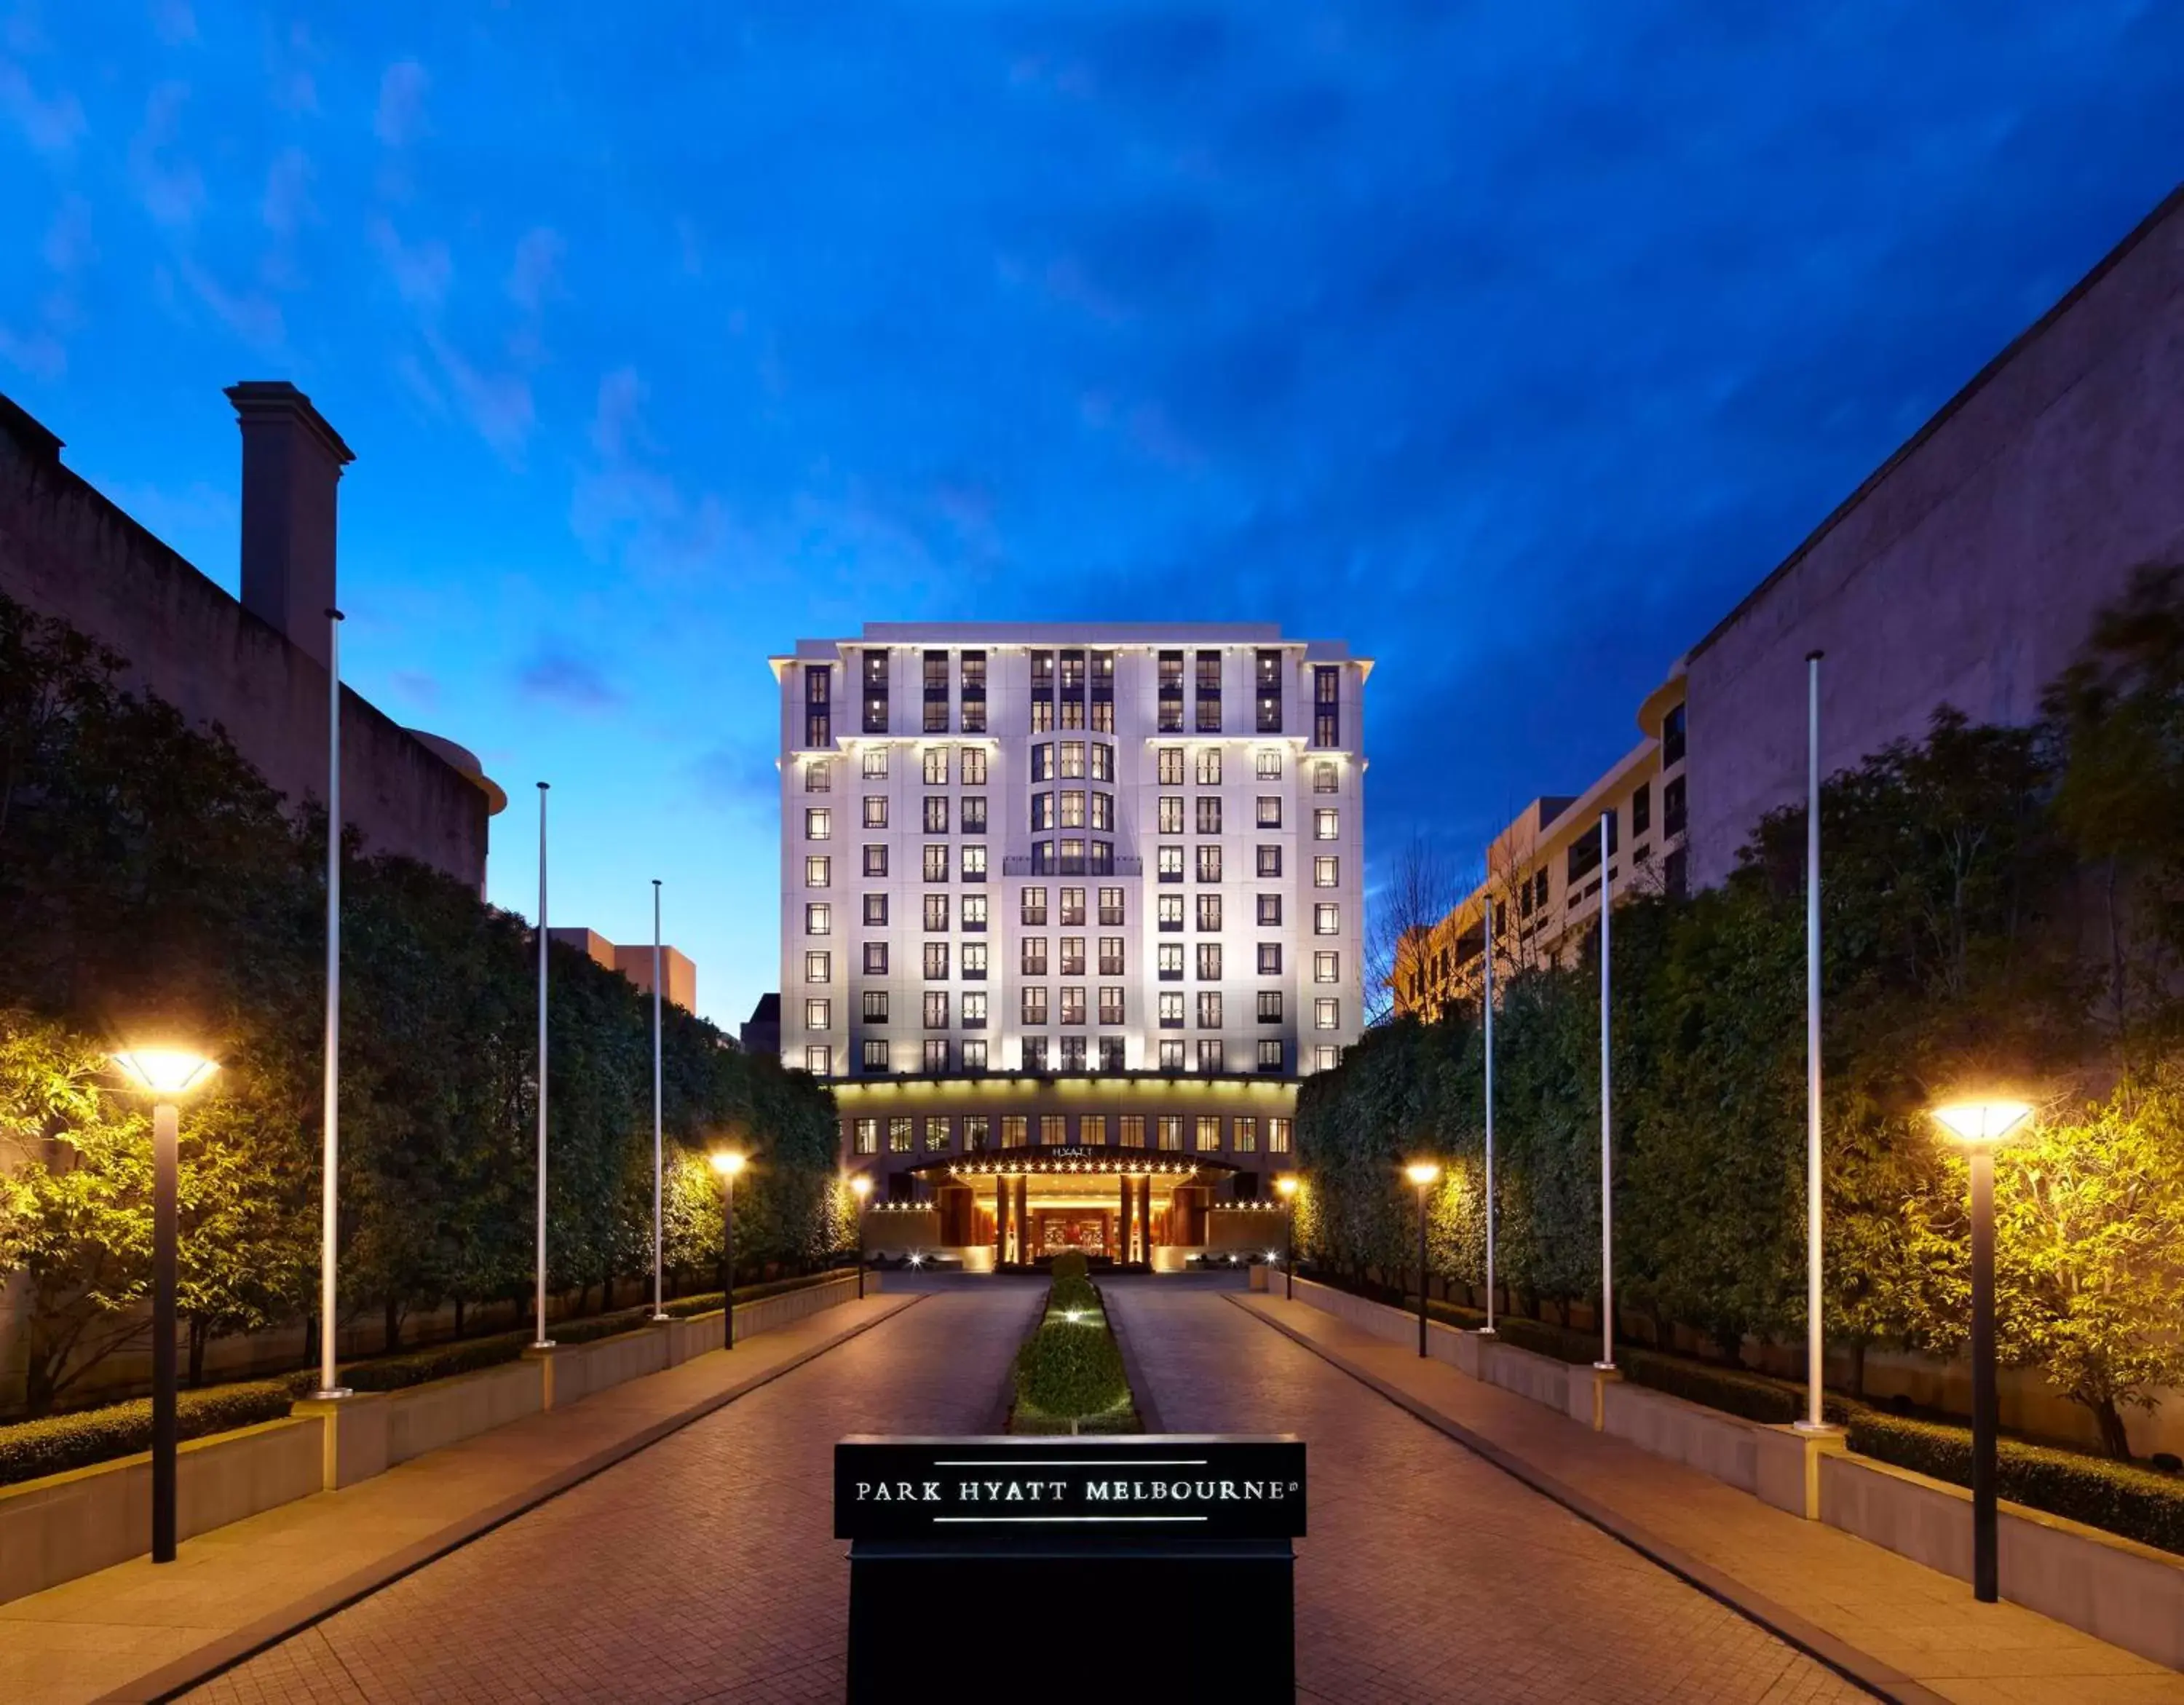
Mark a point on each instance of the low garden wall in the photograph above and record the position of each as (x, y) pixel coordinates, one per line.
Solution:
(65, 1525)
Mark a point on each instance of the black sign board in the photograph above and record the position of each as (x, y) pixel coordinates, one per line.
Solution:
(1168, 1486)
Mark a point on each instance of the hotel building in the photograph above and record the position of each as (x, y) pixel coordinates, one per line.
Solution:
(1067, 913)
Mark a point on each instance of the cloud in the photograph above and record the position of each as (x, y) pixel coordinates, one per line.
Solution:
(499, 405)
(399, 119)
(553, 674)
(286, 202)
(169, 187)
(251, 315)
(737, 777)
(50, 124)
(535, 274)
(421, 271)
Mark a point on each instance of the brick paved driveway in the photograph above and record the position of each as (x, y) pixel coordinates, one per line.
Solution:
(1431, 1575)
(700, 1569)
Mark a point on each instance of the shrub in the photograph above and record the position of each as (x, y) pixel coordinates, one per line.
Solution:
(1070, 1371)
(440, 1362)
(1072, 1292)
(1070, 1264)
(2122, 1497)
(57, 1443)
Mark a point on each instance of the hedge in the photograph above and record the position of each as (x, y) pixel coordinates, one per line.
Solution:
(2121, 1497)
(1072, 1292)
(1070, 1264)
(31, 1449)
(1070, 1372)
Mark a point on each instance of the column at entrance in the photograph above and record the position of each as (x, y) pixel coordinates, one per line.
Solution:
(1002, 1246)
(1121, 1249)
(1024, 1250)
(1145, 1246)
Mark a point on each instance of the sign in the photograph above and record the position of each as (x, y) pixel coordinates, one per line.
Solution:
(1183, 1486)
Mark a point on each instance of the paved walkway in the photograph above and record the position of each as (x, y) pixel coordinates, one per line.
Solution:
(703, 1569)
(1922, 1623)
(1431, 1575)
(128, 1632)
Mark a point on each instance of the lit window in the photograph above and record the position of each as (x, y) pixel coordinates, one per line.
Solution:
(1035, 1053)
(1209, 961)
(1270, 1054)
(1269, 765)
(1270, 811)
(1209, 1132)
(1169, 1131)
(875, 763)
(1016, 1130)
(974, 766)
(974, 961)
(818, 1015)
(1111, 907)
(1277, 1136)
(866, 1141)
(1209, 1010)
(1246, 1134)
(1053, 1130)
(1092, 1130)
(1270, 861)
(818, 870)
(818, 918)
(818, 778)
(876, 859)
(977, 1126)
(1110, 1005)
(818, 967)
(936, 1003)
(1171, 864)
(819, 1060)
(936, 766)
(1325, 777)
(876, 958)
(1326, 1013)
(1270, 1005)
(1171, 1012)
(818, 825)
(973, 913)
(1134, 1130)
(974, 1060)
(1209, 862)
(1211, 1055)
(1209, 814)
(1170, 911)
(1209, 912)
(936, 814)
(936, 862)
(1170, 954)
(1110, 1053)
(1208, 766)
(1032, 909)
(876, 1056)
(1171, 766)
(974, 1013)
(899, 1134)
(876, 810)
(936, 963)
(1327, 824)
(1327, 920)
(1171, 1059)
(1033, 1007)
(1171, 814)
(1073, 1003)
(1327, 872)
(1327, 967)
(1270, 911)
(876, 1005)
(1270, 959)
(875, 908)
(1325, 1057)
(1030, 955)
(937, 1134)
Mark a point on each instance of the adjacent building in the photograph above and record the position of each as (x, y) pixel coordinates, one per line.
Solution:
(678, 977)
(1085, 898)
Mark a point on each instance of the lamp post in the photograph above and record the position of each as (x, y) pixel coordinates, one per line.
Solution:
(1423, 1174)
(166, 1074)
(1287, 1184)
(659, 1307)
(539, 1340)
(1607, 1363)
(1815, 1419)
(330, 1384)
(1486, 1021)
(727, 1162)
(1979, 1126)
(861, 1187)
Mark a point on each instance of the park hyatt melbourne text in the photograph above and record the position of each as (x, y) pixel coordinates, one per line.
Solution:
(1056, 1493)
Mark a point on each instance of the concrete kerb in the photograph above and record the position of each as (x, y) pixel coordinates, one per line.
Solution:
(194, 1668)
(1861, 1668)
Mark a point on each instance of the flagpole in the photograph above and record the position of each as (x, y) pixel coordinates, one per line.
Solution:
(1487, 1014)
(329, 1185)
(1815, 1335)
(659, 1310)
(1607, 1122)
(539, 1340)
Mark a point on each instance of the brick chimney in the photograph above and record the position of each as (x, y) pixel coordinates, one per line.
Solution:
(292, 462)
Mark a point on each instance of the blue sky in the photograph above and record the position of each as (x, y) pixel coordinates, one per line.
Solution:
(1511, 343)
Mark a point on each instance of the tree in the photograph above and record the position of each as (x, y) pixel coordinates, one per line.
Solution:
(1416, 894)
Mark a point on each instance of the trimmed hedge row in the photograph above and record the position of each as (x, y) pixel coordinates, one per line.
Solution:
(29, 1450)
(1070, 1371)
(2120, 1497)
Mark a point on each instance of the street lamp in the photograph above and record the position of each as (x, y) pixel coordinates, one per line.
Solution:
(1423, 1173)
(1287, 1184)
(861, 1187)
(166, 1074)
(727, 1162)
(1979, 1126)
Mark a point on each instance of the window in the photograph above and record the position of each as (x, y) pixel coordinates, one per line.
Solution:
(936, 911)
(818, 967)
(1170, 911)
(1270, 959)
(974, 766)
(1072, 906)
(1171, 766)
(1209, 912)
(1209, 862)
(1209, 814)
(866, 1138)
(974, 1014)
(934, 762)
(1327, 967)
(1171, 864)
(1327, 872)
(876, 1059)
(1672, 807)
(1209, 961)
(1325, 1057)
(935, 1055)
(1245, 1131)
(1171, 1012)
(1327, 824)
(1035, 1053)
(1270, 862)
(1072, 760)
(1641, 811)
(1042, 761)
(936, 814)
(978, 1127)
(876, 1005)
(1110, 1003)
(1072, 1001)
(874, 763)
(936, 1000)
(973, 913)
(1072, 956)
(1015, 1131)
(1672, 740)
(937, 1134)
(818, 1015)
(876, 810)
(818, 870)
(1030, 955)
(1209, 1010)
(1327, 920)
(1103, 762)
(1270, 1054)
(876, 859)
(818, 825)
(1032, 1008)
(819, 1059)
(1103, 810)
(875, 908)
(1172, 1055)
(876, 958)
(819, 919)
(1277, 1136)
(936, 862)
(1267, 766)
(1327, 705)
(1270, 1005)
(973, 810)
(1169, 1130)
(974, 961)
(1032, 908)
(1212, 1056)
(1092, 1130)
(818, 778)
(1207, 767)
(1270, 911)
(1042, 812)
(1325, 778)
(1073, 808)
(1209, 1132)
(1133, 1128)
(974, 864)
(1072, 1047)
(1171, 814)
(1111, 956)
(1111, 907)
(1269, 814)
(974, 693)
(1326, 1013)
(1110, 1053)
(936, 961)
(1170, 961)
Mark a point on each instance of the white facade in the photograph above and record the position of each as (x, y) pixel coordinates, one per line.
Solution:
(1145, 855)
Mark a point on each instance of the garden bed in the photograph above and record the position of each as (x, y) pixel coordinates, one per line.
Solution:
(1069, 1376)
